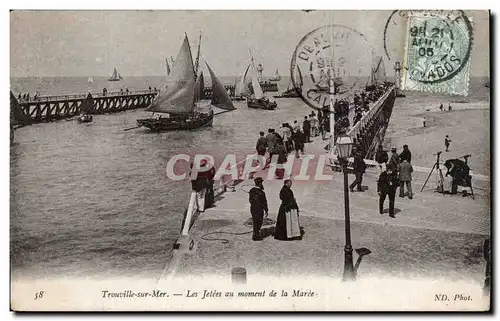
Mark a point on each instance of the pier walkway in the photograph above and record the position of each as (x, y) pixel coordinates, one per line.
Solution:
(433, 235)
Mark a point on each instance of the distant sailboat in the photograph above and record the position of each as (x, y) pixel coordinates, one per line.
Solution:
(258, 101)
(180, 98)
(276, 77)
(90, 80)
(115, 76)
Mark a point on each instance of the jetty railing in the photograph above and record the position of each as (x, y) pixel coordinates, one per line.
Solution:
(52, 108)
(370, 130)
(356, 129)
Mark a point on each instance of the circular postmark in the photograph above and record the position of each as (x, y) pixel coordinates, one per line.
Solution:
(331, 60)
(438, 44)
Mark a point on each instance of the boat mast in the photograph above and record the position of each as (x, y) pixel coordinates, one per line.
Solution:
(197, 61)
(194, 69)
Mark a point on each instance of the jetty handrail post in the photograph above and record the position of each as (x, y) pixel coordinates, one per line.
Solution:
(344, 146)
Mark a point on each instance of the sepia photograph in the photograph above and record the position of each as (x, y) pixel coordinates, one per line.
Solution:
(250, 160)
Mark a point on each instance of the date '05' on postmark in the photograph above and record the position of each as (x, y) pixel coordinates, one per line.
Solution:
(437, 53)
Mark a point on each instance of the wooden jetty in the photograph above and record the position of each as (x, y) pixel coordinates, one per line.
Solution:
(57, 107)
(52, 108)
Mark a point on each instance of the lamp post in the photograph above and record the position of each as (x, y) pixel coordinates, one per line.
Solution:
(344, 149)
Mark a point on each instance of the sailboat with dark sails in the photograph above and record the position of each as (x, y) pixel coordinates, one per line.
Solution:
(86, 109)
(258, 100)
(115, 76)
(181, 99)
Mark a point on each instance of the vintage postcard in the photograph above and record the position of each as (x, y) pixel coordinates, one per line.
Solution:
(299, 160)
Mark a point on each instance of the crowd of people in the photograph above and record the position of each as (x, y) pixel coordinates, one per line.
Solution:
(289, 139)
(360, 103)
(126, 91)
(292, 138)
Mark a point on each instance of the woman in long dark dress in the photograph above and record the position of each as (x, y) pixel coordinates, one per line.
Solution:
(287, 224)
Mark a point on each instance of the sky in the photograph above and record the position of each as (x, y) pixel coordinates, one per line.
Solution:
(92, 43)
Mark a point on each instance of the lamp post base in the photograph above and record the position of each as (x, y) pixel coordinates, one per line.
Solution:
(349, 274)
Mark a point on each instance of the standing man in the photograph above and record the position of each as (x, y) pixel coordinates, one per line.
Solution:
(405, 170)
(447, 142)
(449, 106)
(271, 144)
(306, 127)
(386, 186)
(381, 156)
(258, 206)
(298, 141)
(441, 106)
(261, 144)
(394, 160)
(359, 167)
(405, 154)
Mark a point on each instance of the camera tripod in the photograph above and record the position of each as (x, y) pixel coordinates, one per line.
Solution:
(439, 177)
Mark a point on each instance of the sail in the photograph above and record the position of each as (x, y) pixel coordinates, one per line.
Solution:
(87, 106)
(199, 87)
(17, 116)
(114, 75)
(255, 84)
(242, 87)
(168, 66)
(178, 95)
(277, 75)
(220, 98)
(91, 80)
(378, 72)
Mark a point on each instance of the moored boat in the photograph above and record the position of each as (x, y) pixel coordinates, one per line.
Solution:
(179, 104)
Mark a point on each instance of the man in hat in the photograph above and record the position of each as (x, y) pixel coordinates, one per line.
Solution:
(447, 142)
(258, 206)
(271, 144)
(261, 145)
(394, 160)
(386, 186)
(306, 127)
(405, 154)
(359, 167)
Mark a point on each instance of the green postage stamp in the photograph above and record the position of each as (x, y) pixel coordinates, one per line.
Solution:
(437, 53)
